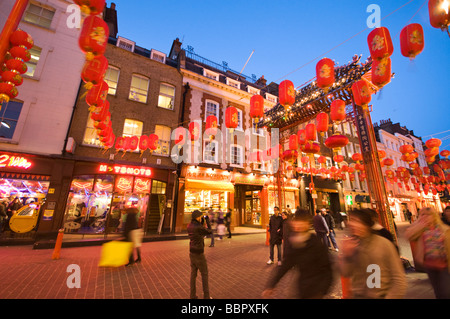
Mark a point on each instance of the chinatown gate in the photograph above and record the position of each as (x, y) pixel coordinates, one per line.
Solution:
(310, 101)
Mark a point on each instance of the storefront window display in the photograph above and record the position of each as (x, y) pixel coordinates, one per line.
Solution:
(252, 208)
(204, 199)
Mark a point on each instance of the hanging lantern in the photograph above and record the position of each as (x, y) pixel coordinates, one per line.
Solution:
(381, 154)
(290, 156)
(21, 38)
(153, 142)
(120, 143)
(325, 74)
(12, 77)
(322, 160)
(439, 12)
(389, 174)
(388, 162)
(406, 149)
(433, 142)
(94, 37)
(336, 142)
(381, 72)
(412, 40)
(445, 153)
(362, 93)
(338, 158)
(311, 148)
(357, 157)
(194, 131)
(91, 7)
(305, 160)
(286, 94)
(337, 111)
(431, 152)
(231, 118)
(256, 108)
(311, 133)
(211, 126)
(322, 122)
(380, 43)
(293, 142)
(7, 92)
(180, 136)
(143, 143)
(94, 72)
(17, 65)
(96, 97)
(100, 113)
(301, 134)
(20, 52)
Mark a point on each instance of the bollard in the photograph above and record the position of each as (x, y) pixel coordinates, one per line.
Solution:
(267, 236)
(58, 244)
(345, 282)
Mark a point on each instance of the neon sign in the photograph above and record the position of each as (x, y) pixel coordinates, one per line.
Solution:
(141, 185)
(12, 161)
(126, 170)
(125, 184)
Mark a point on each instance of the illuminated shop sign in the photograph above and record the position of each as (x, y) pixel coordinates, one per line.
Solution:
(126, 170)
(14, 162)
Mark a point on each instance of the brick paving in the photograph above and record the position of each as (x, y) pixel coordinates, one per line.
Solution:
(237, 270)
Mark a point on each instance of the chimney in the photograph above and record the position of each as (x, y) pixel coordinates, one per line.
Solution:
(261, 81)
(110, 17)
(175, 50)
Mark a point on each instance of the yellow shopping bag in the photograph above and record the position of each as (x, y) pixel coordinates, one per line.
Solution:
(115, 253)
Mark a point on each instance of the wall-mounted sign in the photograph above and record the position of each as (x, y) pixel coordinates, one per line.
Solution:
(14, 162)
(125, 170)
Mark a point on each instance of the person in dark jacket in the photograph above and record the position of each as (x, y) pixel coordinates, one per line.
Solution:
(276, 235)
(309, 256)
(196, 233)
(331, 224)
(321, 227)
(206, 220)
(129, 231)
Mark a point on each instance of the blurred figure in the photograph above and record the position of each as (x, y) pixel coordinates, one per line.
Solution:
(371, 262)
(377, 228)
(432, 251)
(337, 219)
(276, 235)
(3, 216)
(446, 216)
(133, 233)
(331, 234)
(321, 227)
(206, 219)
(310, 257)
(196, 234)
(228, 222)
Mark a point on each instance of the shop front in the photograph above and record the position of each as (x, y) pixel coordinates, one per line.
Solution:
(289, 195)
(100, 193)
(326, 194)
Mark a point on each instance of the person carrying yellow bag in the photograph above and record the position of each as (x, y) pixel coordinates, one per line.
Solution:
(133, 234)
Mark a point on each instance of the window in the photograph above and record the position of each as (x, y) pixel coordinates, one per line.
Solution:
(271, 98)
(39, 15)
(236, 154)
(349, 149)
(112, 78)
(9, 116)
(239, 127)
(166, 96)
(158, 56)
(211, 75)
(233, 83)
(139, 89)
(252, 90)
(210, 153)
(258, 164)
(126, 44)
(212, 108)
(35, 53)
(158, 187)
(90, 135)
(132, 128)
(163, 133)
(258, 131)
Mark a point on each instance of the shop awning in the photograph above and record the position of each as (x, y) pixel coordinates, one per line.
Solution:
(209, 185)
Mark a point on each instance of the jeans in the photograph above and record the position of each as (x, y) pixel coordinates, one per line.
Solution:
(198, 262)
(212, 238)
(272, 248)
(440, 281)
(332, 239)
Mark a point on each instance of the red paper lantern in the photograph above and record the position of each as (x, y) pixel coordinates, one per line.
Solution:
(153, 142)
(12, 77)
(194, 131)
(336, 141)
(381, 72)
(406, 149)
(380, 43)
(338, 158)
(445, 153)
(7, 92)
(134, 143)
(120, 143)
(388, 162)
(381, 154)
(412, 40)
(91, 7)
(322, 160)
(361, 93)
(100, 113)
(311, 133)
(433, 142)
(286, 93)
(325, 73)
(337, 111)
(21, 38)
(17, 65)
(211, 126)
(256, 107)
(231, 118)
(94, 37)
(94, 72)
(143, 143)
(96, 97)
(357, 157)
(311, 148)
(431, 152)
(20, 52)
(439, 12)
(301, 134)
(322, 121)
(293, 142)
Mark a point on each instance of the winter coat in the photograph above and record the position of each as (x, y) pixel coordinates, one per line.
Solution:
(276, 230)
(131, 223)
(196, 233)
(319, 224)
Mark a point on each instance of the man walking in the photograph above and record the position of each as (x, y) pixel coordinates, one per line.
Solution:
(330, 223)
(321, 227)
(276, 235)
(196, 253)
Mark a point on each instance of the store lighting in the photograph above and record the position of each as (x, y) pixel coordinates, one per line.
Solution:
(4, 124)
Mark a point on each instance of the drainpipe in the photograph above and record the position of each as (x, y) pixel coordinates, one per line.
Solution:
(71, 119)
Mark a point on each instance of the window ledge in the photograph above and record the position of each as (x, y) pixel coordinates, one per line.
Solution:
(8, 141)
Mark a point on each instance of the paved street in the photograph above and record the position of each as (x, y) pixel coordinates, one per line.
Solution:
(237, 270)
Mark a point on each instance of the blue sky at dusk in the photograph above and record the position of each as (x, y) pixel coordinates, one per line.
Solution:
(290, 37)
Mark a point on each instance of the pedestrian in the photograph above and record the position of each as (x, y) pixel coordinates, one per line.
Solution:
(331, 234)
(197, 257)
(408, 215)
(276, 235)
(321, 227)
(285, 231)
(288, 210)
(309, 256)
(337, 219)
(371, 262)
(206, 220)
(378, 229)
(228, 222)
(446, 216)
(133, 234)
(432, 249)
(3, 215)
